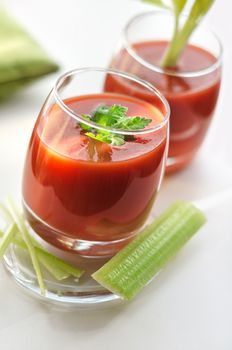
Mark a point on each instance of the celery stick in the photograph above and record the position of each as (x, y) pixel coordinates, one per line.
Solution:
(7, 238)
(61, 264)
(47, 260)
(159, 3)
(131, 269)
(57, 262)
(17, 217)
(57, 267)
(181, 34)
(17, 240)
(5, 213)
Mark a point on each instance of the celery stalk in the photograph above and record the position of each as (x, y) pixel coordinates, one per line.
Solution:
(17, 240)
(47, 260)
(131, 269)
(182, 34)
(17, 217)
(5, 213)
(159, 3)
(57, 267)
(59, 263)
(56, 262)
(7, 238)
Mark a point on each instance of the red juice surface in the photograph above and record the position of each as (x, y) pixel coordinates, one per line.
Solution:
(192, 99)
(85, 189)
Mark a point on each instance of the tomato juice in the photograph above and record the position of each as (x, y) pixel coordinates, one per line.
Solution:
(192, 99)
(76, 188)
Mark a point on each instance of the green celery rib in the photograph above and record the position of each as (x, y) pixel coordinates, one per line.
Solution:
(5, 213)
(7, 238)
(54, 262)
(48, 261)
(16, 239)
(71, 270)
(17, 217)
(181, 35)
(61, 264)
(177, 45)
(131, 269)
(57, 267)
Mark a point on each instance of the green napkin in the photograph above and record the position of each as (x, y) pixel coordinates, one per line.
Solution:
(21, 59)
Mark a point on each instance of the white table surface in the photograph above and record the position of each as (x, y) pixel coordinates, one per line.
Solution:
(189, 306)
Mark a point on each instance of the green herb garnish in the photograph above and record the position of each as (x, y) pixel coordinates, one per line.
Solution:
(113, 139)
(113, 116)
(18, 235)
(181, 34)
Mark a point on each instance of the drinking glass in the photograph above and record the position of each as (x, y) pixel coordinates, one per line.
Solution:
(83, 195)
(191, 88)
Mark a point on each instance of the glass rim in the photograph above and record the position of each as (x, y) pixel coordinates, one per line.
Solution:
(156, 68)
(94, 125)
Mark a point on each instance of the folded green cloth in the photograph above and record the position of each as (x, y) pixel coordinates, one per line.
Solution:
(21, 59)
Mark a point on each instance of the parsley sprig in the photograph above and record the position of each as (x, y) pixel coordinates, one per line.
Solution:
(113, 116)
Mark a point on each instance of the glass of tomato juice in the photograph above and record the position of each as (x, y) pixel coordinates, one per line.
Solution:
(191, 88)
(84, 195)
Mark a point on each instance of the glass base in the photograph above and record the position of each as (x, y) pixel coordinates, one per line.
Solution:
(84, 248)
(69, 293)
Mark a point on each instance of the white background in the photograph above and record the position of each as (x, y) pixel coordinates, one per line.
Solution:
(189, 306)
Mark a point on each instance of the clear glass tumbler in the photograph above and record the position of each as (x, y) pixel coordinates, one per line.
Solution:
(87, 196)
(191, 88)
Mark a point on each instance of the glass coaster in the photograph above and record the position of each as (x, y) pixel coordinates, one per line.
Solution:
(69, 292)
